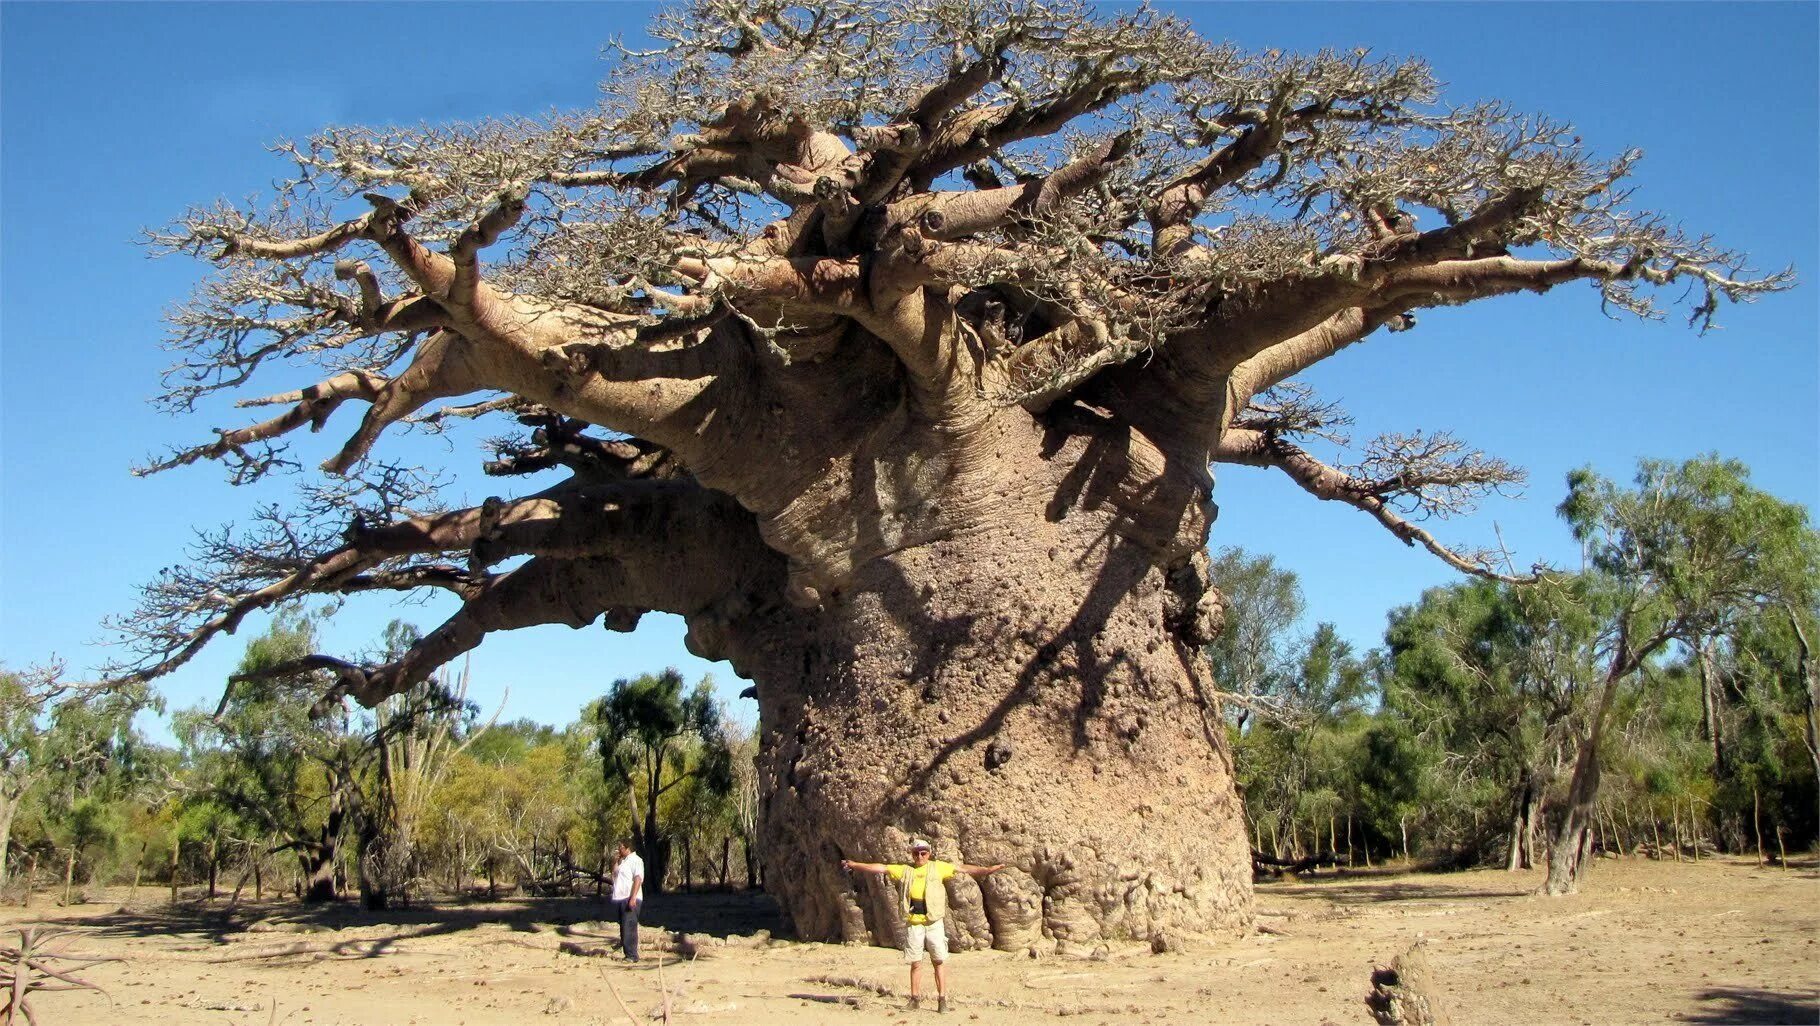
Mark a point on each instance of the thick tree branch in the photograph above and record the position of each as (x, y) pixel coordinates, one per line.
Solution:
(465, 254)
(313, 407)
(690, 552)
(957, 215)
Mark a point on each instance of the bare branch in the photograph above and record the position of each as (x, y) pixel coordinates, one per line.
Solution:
(1423, 467)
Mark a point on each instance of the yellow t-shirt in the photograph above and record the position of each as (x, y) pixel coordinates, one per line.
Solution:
(920, 876)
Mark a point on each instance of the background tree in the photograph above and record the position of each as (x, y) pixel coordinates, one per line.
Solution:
(1251, 656)
(746, 798)
(509, 795)
(1489, 678)
(890, 345)
(52, 726)
(289, 775)
(413, 736)
(1297, 768)
(654, 738)
(1684, 551)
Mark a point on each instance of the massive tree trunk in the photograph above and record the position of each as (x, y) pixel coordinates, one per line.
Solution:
(1030, 719)
(1030, 692)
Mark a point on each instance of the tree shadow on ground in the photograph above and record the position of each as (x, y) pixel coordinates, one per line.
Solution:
(1744, 1005)
(1371, 886)
(316, 931)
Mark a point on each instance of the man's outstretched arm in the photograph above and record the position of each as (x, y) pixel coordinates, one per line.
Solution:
(980, 870)
(864, 867)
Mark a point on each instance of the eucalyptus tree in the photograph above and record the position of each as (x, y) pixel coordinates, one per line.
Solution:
(263, 763)
(1491, 680)
(1691, 546)
(653, 738)
(1298, 768)
(891, 345)
(53, 727)
(1252, 656)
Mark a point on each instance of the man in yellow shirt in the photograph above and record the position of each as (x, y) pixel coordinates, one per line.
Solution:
(922, 895)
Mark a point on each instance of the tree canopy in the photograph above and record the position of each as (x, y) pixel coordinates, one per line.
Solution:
(1007, 200)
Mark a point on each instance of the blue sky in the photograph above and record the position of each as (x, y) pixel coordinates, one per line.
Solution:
(115, 117)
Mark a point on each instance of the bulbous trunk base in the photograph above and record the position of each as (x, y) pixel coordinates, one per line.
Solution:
(1012, 705)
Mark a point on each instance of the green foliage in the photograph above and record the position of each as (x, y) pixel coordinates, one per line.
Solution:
(69, 756)
(1252, 657)
(668, 751)
(1462, 730)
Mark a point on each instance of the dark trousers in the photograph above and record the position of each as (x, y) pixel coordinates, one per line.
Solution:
(627, 914)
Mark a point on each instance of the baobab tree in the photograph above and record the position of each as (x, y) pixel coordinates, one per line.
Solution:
(890, 345)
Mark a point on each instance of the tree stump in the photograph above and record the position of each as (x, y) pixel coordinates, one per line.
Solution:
(1405, 994)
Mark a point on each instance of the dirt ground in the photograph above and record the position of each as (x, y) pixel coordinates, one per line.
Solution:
(1721, 941)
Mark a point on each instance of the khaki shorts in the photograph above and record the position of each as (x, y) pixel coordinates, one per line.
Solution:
(932, 935)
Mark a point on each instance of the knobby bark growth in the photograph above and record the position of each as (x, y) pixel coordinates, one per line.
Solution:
(890, 344)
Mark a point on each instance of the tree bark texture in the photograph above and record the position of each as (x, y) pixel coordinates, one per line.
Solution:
(1030, 692)
(318, 858)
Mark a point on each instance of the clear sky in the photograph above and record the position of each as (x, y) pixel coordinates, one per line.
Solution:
(115, 117)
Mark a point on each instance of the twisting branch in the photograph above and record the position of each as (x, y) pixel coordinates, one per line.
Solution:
(478, 236)
(1440, 477)
(313, 407)
(675, 547)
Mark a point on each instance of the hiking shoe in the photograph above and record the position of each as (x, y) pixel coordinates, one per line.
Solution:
(913, 1004)
(941, 1005)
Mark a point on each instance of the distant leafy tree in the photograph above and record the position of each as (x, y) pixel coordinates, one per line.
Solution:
(511, 742)
(1487, 678)
(1764, 704)
(1297, 768)
(654, 737)
(1689, 548)
(1252, 657)
(289, 776)
(521, 796)
(54, 731)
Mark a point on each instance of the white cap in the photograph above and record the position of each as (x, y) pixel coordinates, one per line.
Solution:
(918, 844)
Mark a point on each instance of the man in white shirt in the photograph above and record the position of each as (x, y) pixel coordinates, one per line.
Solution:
(628, 897)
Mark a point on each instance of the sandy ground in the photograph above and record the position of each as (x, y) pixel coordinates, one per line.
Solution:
(1721, 941)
